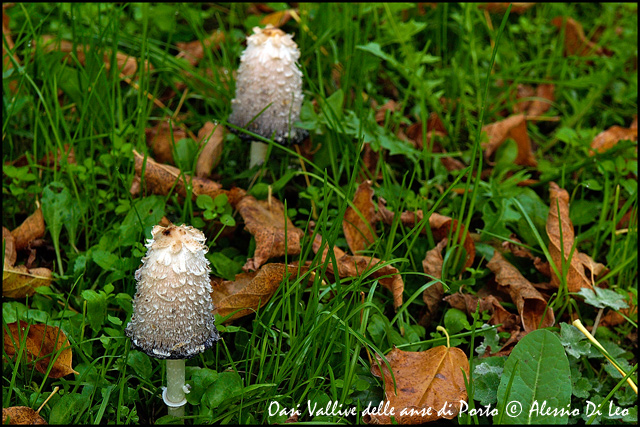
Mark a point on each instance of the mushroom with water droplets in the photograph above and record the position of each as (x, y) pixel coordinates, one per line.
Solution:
(172, 308)
(268, 90)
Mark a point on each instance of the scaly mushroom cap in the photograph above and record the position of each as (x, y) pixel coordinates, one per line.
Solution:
(269, 76)
(172, 309)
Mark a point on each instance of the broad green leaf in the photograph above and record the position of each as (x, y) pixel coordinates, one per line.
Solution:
(96, 308)
(602, 298)
(228, 384)
(224, 266)
(486, 379)
(574, 341)
(201, 379)
(140, 363)
(67, 407)
(56, 205)
(542, 376)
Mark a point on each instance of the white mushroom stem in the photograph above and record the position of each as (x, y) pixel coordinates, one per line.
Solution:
(174, 395)
(258, 153)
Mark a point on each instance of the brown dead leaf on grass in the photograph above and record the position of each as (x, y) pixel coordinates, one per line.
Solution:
(193, 51)
(502, 7)
(534, 102)
(356, 266)
(31, 229)
(432, 296)
(561, 244)
(274, 232)
(426, 380)
(499, 315)
(127, 65)
(19, 281)
(531, 305)
(514, 127)
(441, 227)
(41, 343)
(575, 42)
(7, 63)
(212, 136)
(608, 139)
(10, 253)
(358, 231)
(249, 291)
(21, 415)
(162, 138)
(277, 19)
(160, 179)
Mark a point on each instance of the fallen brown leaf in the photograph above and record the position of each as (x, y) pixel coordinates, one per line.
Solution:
(560, 245)
(470, 304)
(608, 139)
(21, 415)
(42, 342)
(358, 231)
(514, 127)
(31, 229)
(194, 51)
(126, 64)
(160, 179)
(6, 60)
(162, 138)
(274, 232)
(277, 19)
(356, 266)
(21, 282)
(10, 254)
(249, 291)
(425, 381)
(532, 307)
(432, 296)
(441, 227)
(502, 7)
(212, 136)
(575, 42)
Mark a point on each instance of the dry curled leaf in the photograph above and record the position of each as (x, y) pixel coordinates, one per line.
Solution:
(494, 7)
(532, 307)
(356, 266)
(561, 244)
(249, 291)
(42, 344)
(162, 138)
(609, 138)
(432, 296)
(426, 381)
(21, 415)
(194, 51)
(211, 136)
(514, 127)
(10, 254)
(575, 42)
(160, 179)
(31, 229)
(21, 282)
(274, 232)
(277, 19)
(441, 227)
(470, 304)
(360, 231)
(126, 64)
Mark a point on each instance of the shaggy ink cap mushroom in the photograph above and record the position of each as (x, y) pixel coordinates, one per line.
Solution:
(269, 79)
(172, 308)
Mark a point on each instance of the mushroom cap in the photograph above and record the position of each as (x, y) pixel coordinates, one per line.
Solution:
(268, 76)
(172, 308)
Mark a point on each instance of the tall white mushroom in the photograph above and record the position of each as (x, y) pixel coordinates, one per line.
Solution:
(268, 90)
(172, 308)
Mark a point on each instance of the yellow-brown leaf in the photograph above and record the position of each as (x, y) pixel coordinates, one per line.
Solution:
(41, 344)
(21, 415)
(425, 380)
(21, 282)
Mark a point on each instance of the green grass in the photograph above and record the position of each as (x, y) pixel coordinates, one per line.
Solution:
(312, 341)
